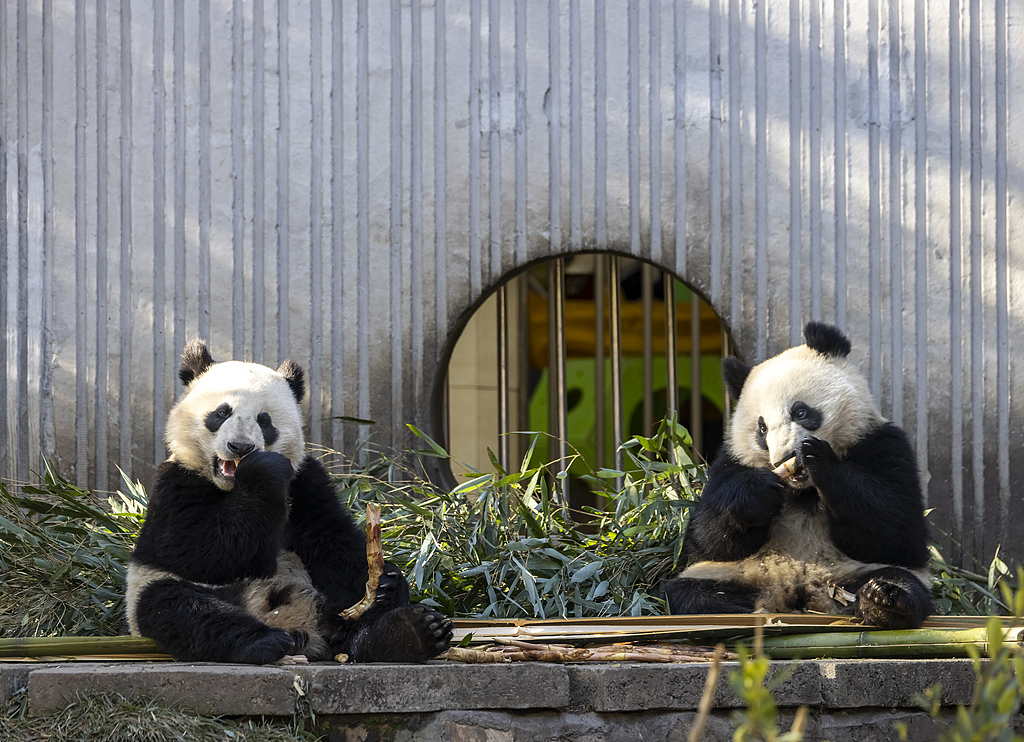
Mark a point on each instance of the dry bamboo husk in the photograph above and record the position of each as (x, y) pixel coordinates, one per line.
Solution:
(512, 650)
(374, 563)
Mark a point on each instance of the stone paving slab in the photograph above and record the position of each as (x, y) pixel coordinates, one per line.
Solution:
(375, 689)
(230, 690)
(601, 688)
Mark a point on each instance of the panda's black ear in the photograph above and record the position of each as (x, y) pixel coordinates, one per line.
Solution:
(735, 374)
(826, 339)
(296, 378)
(195, 359)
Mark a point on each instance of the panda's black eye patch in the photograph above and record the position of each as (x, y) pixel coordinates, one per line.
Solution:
(806, 416)
(269, 431)
(762, 433)
(216, 418)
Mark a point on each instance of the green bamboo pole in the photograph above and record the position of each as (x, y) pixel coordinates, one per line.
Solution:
(910, 643)
(68, 646)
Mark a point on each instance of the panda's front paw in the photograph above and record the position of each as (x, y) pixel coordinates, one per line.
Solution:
(392, 588)
(264, 469)
(819, 458)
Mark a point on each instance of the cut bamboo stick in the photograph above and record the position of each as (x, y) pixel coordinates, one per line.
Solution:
(910, 643)
(67, 646)
(374, 563)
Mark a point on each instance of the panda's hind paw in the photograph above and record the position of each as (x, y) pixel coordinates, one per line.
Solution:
(409, 633)
(269, 647)
(884, 604)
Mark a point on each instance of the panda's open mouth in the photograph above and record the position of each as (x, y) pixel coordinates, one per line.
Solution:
(226, 467)
(799, 476)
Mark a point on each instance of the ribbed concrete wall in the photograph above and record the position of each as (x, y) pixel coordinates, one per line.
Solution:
(341, 182)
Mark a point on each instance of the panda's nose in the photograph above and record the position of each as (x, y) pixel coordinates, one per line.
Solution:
(242, 448)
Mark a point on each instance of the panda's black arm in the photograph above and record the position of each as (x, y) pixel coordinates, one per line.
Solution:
(873, 497)
(204, 534)
(325, 537)
(733, 516)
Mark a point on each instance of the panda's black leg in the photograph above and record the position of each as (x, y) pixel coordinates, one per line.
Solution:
(409, 633)
(892, 598)
(194, 623)
(689, 595)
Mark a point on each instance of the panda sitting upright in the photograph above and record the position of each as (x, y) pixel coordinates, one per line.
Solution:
(246, 554)
(850, 515)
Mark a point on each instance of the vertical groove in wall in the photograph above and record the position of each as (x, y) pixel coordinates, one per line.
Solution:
(441, 170)
(205, 171)
(921, 236)
(895, 209)
(715, 172)
(654, 126)
(633, 125)
(975, 246)
(126, 414)
(475, 247)
(339, 361)
(761, 179)
(159, 236)
(395, 228)
(874, 207)
(575, 127)
(1002, 278)
(282, 184)
(956, 295)
(181, 154)
(22, 154)
(521, 244)
(839, 162)
(494, 135)
(679, 143)
(4, 245)
(796, 192)
(318, 427)
(47, 444)
(735, 165)
(237, 179)
(258, 284)
(416, 273)
(362, 208)
(81, 290)
(102, 455)
(600, 127)
(814, 156)
(552, 105)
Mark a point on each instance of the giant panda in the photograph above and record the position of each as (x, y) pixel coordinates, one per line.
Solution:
(850, 517)
(246, 554)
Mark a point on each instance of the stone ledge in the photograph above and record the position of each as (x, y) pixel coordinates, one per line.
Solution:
(236, 690)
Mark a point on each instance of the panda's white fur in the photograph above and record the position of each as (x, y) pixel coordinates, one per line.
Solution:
(250, 389)
(823, 382)
(756, 540)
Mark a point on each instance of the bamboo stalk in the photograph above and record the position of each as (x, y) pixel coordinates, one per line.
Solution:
(881, 644)
(374, 563)
(67, 646)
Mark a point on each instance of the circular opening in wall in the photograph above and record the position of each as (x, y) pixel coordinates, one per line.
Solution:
(583, 348)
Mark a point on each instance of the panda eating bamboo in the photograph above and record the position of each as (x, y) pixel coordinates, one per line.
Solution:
(814, 495)
(247, 554)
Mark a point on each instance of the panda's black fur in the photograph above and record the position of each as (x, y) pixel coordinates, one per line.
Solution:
(851, 517)
(246, 554)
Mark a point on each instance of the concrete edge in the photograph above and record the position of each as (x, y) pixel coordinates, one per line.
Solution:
(277, 690)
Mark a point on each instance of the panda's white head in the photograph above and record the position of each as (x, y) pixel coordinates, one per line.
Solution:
(809, 390)
(231, 409)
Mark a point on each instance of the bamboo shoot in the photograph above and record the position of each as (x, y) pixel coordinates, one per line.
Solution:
(374, 563)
